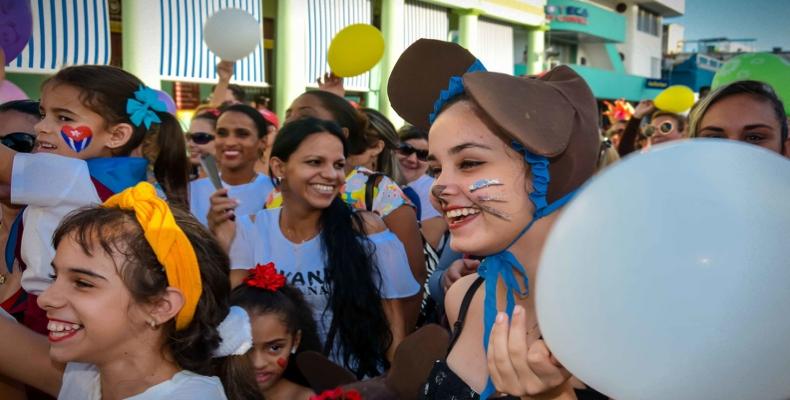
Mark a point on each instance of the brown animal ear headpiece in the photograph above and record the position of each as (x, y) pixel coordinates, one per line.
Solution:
(553, 117)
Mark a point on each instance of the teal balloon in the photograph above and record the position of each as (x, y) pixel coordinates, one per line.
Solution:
(667, 276)
(763, 67)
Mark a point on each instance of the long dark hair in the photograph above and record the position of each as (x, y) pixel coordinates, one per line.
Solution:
(105, 90)
(261, 124)
(359, 136)
(381, 127)
(289, 305)
(359, 324)
(116, 232)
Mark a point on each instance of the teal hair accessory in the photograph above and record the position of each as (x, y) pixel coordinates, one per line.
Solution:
(142, 108)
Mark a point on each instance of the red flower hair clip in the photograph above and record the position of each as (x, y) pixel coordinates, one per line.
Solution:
(338, 394)
(265, 277)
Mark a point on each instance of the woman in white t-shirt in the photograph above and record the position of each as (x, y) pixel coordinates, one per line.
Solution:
(240, 140)
(134, 311)
(349, 267)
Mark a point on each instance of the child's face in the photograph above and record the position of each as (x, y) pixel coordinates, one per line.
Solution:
(92, 316)
(271, 347)
(68, 127)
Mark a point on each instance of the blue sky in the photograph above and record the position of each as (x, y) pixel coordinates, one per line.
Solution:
(768, 21)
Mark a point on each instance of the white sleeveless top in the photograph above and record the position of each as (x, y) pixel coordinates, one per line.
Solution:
(81, 381)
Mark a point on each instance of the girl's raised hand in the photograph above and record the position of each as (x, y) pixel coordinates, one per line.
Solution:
(221, 217)
(522, 365)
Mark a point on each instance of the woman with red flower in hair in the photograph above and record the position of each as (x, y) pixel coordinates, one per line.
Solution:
(282, 326)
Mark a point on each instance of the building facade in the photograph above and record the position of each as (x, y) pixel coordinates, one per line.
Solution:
(161, 41)
(616, 46)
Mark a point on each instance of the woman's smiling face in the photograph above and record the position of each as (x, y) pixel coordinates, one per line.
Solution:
(481, 183)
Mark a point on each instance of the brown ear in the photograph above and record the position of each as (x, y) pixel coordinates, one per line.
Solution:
(529, 111)
(421, 73)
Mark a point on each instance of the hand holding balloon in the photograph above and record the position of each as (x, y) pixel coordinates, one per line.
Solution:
(331, 83)
(519, 363)
(225, 70)
(644, 108)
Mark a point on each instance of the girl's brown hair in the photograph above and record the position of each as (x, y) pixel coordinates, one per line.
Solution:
(116, 232)
(105, 91)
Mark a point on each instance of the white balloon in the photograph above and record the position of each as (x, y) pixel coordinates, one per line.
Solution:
(231, 34)
(668, 277)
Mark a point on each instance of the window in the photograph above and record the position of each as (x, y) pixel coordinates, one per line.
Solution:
(648, 22)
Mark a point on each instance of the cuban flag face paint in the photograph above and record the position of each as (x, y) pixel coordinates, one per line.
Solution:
(77, 138)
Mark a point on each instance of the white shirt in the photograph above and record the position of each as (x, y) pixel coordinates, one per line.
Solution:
(81, 381)
(422, 186)
(251, 196)
(52, 186)
(262, 241)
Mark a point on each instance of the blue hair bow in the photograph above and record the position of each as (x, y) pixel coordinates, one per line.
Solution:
(142, 108)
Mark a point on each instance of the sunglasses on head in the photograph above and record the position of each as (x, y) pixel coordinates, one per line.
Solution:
(19, 141)
(200, 137)
(406, 150)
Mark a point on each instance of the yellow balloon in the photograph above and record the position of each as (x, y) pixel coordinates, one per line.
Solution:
(355, 50)
(675, 99)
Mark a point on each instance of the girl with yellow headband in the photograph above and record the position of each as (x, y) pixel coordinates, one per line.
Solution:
(135, 310)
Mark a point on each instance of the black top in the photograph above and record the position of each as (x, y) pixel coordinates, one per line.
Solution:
(443, 383)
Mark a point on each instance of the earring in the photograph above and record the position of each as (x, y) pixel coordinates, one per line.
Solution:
(293, 350)
(152, 323)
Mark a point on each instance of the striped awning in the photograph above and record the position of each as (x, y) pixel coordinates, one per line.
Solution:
(423, 20)
(65, 32)
(185, 57)
(326, 18)
(495, 46)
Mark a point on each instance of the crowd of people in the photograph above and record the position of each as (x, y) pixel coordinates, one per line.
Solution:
(320, 250)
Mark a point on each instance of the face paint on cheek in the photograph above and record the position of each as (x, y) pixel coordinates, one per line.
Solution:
(282, 362)
(77, 138)
(490, 198)
(484, 183)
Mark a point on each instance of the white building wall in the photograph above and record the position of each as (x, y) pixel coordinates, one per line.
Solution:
(595, 55)
(674, 39)
(642, 50)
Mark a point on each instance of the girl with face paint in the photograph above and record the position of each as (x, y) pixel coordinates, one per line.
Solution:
(282, 327)
(92, 119)
(507, 153)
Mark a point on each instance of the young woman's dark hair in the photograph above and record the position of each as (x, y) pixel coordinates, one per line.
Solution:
(209, 114)
(117, 232)
(345, 115)
(261, 124)
(757, 89)
(359, 324)
(293, 310)
(409, 132)
(382, 129)
(105, 91)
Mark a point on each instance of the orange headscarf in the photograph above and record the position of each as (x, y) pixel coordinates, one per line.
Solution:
(170, 244)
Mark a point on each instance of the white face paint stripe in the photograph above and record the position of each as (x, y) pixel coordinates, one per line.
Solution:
(484, 183)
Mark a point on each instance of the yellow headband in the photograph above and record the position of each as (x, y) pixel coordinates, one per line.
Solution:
(170, 244)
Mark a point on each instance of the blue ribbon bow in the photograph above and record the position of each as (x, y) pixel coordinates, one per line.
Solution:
(142, 108)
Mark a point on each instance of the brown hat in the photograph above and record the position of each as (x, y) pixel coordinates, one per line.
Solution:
(554, 115)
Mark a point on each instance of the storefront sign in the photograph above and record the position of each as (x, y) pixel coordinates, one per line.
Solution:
(656, 83)
(571, 14)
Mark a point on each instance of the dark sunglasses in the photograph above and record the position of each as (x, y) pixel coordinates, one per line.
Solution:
(19, 141)
(407, 150)
(200, 137)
